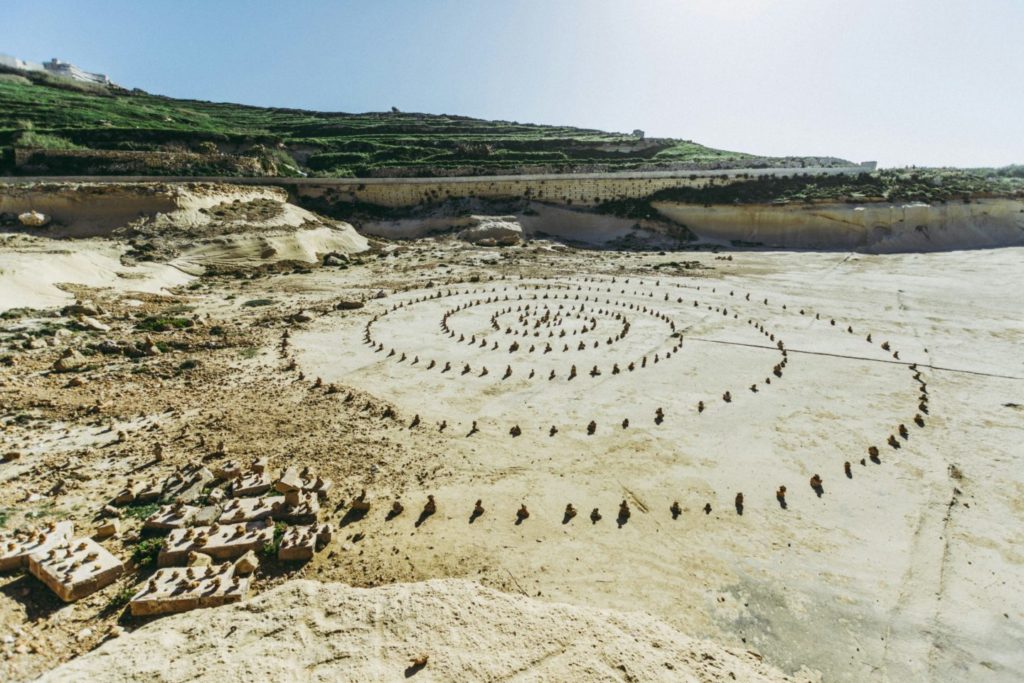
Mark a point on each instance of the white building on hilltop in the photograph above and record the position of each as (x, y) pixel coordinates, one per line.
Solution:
(55, 67)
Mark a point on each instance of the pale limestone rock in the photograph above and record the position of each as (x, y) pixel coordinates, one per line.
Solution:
(247, 564)
(33, 219)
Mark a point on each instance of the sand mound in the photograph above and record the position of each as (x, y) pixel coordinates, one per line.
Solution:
(251, 250)
(307, 630)
(31, 270)
(191, 226)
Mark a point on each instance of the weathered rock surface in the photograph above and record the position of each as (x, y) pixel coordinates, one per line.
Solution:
(307, 630)
(69, 360)
(494, 231)
(33, 219)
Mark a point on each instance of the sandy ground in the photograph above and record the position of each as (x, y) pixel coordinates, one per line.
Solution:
(440, 630)
(909, 569)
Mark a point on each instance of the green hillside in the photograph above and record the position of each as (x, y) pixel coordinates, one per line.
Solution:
(63, 127)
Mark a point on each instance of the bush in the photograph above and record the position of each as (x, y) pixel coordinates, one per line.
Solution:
(141, 511)
(146, 551)
(121, 598)
(31, 138)
(255, 303)
(270, 549)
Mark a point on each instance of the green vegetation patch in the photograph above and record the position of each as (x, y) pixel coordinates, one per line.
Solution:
(146, 551)
(163, 324)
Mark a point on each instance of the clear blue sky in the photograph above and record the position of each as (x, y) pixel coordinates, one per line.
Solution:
(927, 82)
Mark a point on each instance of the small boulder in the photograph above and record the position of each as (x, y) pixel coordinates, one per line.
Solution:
(111, 528)
(335, 259)
(33, 219)
(69, 360)
(247, 564)
(496, 231)
(93, 324)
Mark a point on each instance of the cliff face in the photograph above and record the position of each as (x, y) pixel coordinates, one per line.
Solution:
(875, 228)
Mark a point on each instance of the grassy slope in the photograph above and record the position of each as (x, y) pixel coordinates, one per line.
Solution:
(319, 143)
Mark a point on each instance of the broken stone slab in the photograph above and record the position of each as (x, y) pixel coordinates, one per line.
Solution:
(207, 515)
(149, 493)
(251, 484)
(293, 505)
(76, 568)
(300, 543)
(294, 480)
(15, 549)
(199, 560)
(260, 464)
(187, 485)
(247, 564)
(93, 324)
(112, 528)
(130, 491)
(177, 516)
(228, 470)
(220, 541)
(85, 307)
(180, 590)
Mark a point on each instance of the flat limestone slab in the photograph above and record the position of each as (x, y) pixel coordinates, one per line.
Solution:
(187, 484)
(129, 492)
(177, 516)
(15, 549)
(294, 505)
(228, 470)
(299, 543)
(251, 484)
(75, 569)
(294, 480)
(182, 589)
(220, 541)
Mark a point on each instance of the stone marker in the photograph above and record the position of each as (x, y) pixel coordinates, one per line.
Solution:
(181, 590)
(76, 568)
(16, 548)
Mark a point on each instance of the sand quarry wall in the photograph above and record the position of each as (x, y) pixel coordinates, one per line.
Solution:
(94, 209)
(586, 189)
(879, 228)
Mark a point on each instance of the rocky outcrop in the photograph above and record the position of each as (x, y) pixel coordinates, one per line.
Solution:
(493, 231)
